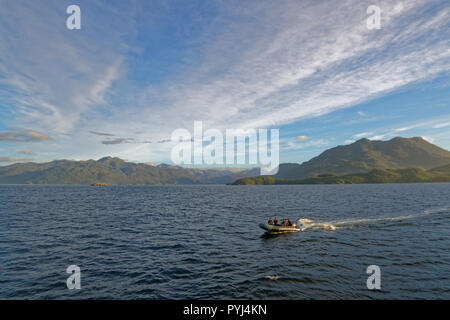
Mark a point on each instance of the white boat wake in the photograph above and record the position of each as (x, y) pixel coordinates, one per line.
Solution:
(307, 224)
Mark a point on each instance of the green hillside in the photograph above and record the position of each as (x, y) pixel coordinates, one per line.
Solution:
(441, 174)
(114, 171)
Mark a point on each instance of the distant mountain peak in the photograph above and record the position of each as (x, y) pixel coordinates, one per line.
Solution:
(364, 155)
(108, 158)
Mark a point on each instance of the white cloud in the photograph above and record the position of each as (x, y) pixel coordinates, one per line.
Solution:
(271, 64)
(52, 75)
(288, 80)
(378, 137)
(361, 135)
(441, 125)
(295, 145)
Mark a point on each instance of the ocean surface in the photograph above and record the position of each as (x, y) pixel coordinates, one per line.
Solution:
(203, 242)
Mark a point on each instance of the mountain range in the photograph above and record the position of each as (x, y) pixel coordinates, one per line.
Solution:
(361, 161)
(111, 170)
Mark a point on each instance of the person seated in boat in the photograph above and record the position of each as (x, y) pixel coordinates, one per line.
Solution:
(270, 221)
(276, 221)
(285, 222)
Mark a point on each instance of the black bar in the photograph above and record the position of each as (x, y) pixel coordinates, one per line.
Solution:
(224, 309)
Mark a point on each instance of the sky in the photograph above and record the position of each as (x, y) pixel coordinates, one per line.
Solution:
(138, 70)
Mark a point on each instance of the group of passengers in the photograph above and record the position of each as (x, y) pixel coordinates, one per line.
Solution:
(285, 223)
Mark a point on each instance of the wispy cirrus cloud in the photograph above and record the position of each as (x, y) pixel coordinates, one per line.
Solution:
(130, 140)
(9, 159)
(102, 133)
(297, 145)
(25, 152)
(117, 141)
(362, 135)
(390, 132)
(23, 136)
(50, 75)
(256, 64)
(305, 67)
(441, 125)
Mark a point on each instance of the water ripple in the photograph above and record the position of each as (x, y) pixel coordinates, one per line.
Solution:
(202, 242)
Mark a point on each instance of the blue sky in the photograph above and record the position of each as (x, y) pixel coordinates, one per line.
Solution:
(138, 70)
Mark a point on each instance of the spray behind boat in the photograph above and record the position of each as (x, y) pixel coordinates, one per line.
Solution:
(307, 224)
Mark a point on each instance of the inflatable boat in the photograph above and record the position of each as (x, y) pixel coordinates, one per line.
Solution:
(278, 228)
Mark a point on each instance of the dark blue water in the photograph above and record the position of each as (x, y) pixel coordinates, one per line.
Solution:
(200, 242)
